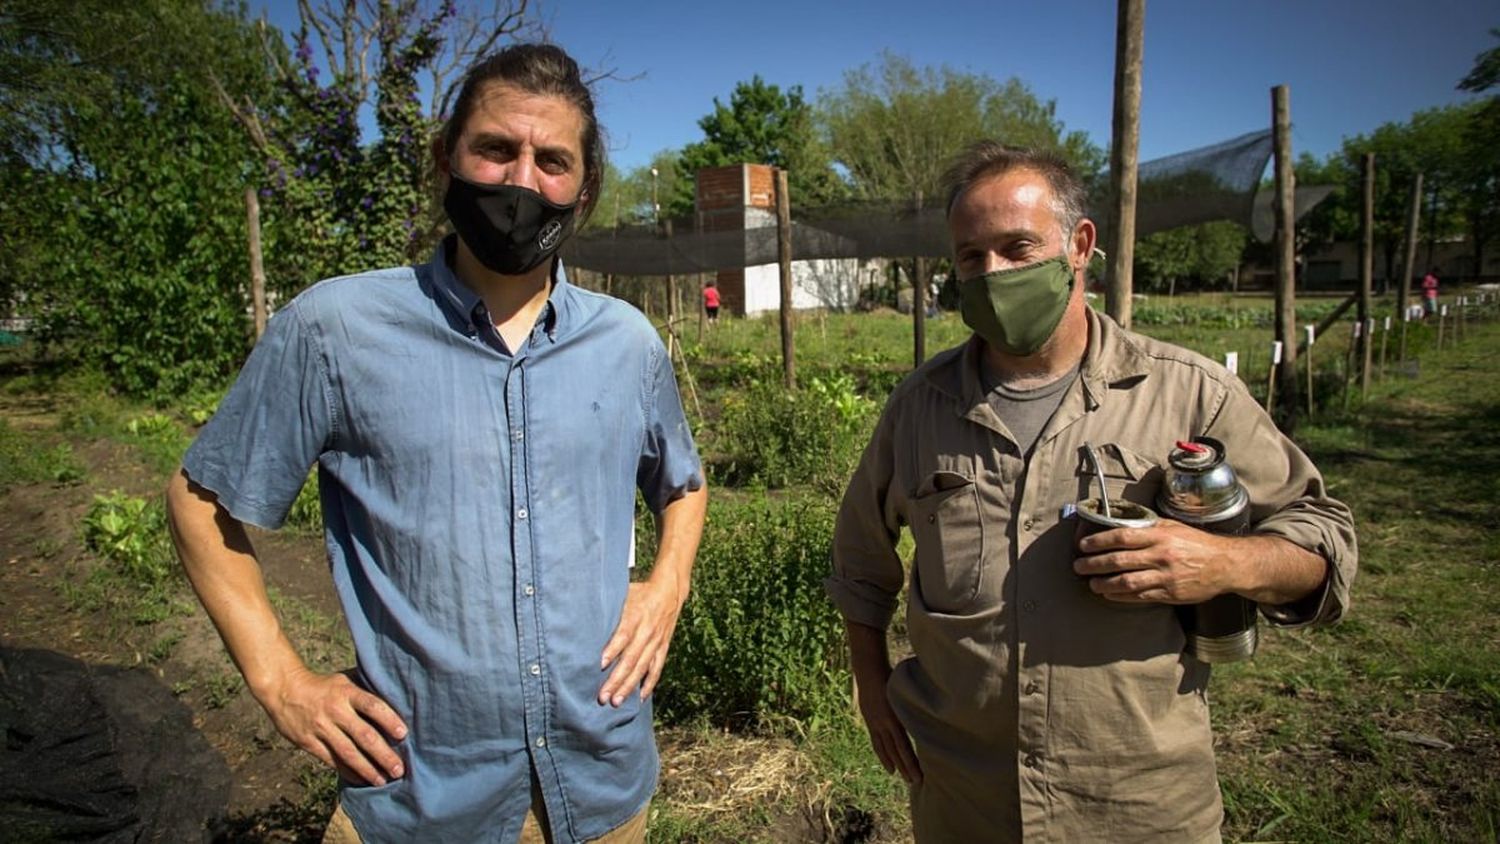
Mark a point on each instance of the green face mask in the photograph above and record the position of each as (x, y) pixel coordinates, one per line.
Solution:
(1016, 310)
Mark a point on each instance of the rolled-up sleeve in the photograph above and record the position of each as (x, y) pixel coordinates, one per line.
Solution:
(669, 466)
(1290, 500)
(867, 573)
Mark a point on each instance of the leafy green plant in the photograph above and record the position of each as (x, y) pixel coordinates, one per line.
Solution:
(139, 575)
(775, 437)
(758, 639)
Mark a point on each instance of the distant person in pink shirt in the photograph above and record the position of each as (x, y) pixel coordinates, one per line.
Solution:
(711, 300)
(1430, 291)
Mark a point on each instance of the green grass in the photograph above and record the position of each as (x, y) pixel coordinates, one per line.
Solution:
(28, 457)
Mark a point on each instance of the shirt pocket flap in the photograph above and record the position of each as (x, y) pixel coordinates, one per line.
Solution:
(1117, 461)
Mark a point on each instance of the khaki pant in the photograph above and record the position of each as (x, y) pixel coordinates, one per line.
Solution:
(535, 829)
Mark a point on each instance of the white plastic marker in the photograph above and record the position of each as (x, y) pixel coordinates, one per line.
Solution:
(1271, 375)
(1387, 323)
(1312, 334)
(1357, 327)
(1232, 362)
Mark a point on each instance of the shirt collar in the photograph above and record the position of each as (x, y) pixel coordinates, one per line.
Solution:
(1111, 357)
(464, 302)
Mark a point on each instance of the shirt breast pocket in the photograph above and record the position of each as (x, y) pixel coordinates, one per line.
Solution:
(1127, 475)
(949, 534)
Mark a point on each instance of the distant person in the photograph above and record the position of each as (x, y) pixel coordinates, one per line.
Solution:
(711, 300)
(481, 428)
(1048, 694)
(1430, 292)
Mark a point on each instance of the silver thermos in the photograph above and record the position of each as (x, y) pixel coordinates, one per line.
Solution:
(1202, 490)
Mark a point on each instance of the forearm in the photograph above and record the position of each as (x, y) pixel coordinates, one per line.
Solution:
(221, 565)
(1271, 570)
(680, 529)
(869, 656)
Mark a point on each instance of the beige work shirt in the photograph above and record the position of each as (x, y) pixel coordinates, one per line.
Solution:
(1037, 707)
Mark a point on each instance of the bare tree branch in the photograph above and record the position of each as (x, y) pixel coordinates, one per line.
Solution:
(350, 38)
(310, 18)
(246, 116)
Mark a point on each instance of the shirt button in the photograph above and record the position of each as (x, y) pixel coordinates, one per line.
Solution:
(1033, 760)
(541, 741)
(529, 590)
(521, 513)
(1029, 606)
(931, 518)
(1032, 688)
(518, 434)
(1029, 523)
(536, 669)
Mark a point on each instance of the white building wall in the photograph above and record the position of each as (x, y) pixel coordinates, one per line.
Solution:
(831, 283)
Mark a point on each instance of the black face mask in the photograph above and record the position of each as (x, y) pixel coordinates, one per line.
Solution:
(511, 230)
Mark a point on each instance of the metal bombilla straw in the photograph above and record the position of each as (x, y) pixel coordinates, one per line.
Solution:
(1088, 447)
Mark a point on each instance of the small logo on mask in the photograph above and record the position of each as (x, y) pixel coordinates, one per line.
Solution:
(550, 233)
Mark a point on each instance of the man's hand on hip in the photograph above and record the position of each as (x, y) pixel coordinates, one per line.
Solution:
(638, 649)
(335, 720)
(1171, 563)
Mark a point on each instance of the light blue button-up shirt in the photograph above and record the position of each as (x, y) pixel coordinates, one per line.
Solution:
(479, 509)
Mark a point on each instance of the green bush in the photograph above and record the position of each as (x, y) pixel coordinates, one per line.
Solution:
(758, 638)
(774, 437)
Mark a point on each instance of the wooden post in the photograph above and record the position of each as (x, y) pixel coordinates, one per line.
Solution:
(1442, 318)
(1130, 27)
(1409, 260)
(1312, 337)
(1366, 266)
(1286, 219)
(1405, 322)
(918, 297)
(784, 253)
(257, 269)
(671, 295)
(1276, 357)
(1349, 360)
(1385, 337)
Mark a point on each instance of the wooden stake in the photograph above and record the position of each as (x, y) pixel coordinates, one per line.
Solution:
(1130, 38)
(1442, 317)
(1285, 241)
(1385, 337)
(918, 297)
(1312, 337)
(784, 253)
(257, 269)
(1271, 371)
(1366, 267)
(1408, 264)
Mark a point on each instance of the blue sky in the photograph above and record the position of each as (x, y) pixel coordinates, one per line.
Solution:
(1209, 65)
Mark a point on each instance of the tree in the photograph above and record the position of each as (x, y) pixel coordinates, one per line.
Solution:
(123, 207)
(337, 202)
(761, 125)
(1203, 253)
(894, 126)
(1480, 160)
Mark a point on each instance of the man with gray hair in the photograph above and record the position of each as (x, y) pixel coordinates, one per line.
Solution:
(1049, 693)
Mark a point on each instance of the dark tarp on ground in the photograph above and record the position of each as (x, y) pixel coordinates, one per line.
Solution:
(100, 754)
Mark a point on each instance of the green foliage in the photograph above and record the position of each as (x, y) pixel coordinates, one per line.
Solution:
(776, 437)
(762, 125)
(127, 214)
(1196, 257)
(894, 125)
(161, 441)
(307, 510)
(138, 575)
(758, 639)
